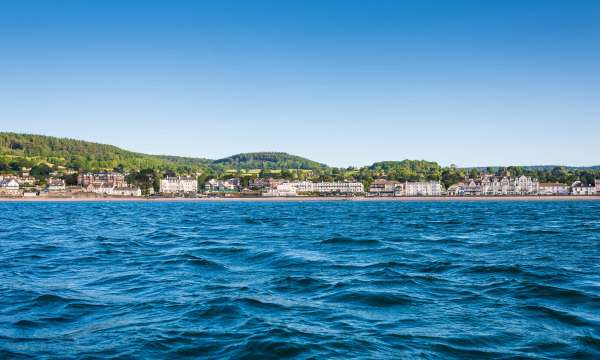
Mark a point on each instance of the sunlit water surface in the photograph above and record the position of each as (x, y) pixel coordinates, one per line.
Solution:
(305, 280)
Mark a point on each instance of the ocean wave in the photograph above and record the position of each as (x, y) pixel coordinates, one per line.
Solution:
(300, 280)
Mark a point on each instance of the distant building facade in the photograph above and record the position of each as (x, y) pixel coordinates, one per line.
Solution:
(126, 191)
(553, 189)
(229, 185)
(422, 188)
(281, 190)
(56, 185)
(383, 187)
(329, 187)
(179, 184)
(102, 179)
(10, 187)
(578, 188)
(490, 185)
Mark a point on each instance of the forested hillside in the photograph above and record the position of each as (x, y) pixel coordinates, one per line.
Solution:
(268, 160)
(44, 154)
(24, 150)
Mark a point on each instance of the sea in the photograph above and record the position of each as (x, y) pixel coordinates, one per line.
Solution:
(302, 280)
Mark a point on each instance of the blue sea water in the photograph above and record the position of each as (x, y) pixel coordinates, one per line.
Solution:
(450, 280)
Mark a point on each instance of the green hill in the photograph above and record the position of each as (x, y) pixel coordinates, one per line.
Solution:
(24, 150)
(268, 160)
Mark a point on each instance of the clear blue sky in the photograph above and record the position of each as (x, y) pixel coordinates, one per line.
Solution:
(341, 82)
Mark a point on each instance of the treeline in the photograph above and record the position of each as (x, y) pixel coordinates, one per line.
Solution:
(33, 151)
(46, 154)
(267, 160)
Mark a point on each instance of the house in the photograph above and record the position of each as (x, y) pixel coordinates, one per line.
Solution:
(577, 188)
(553, 189)
(111, 179)
(26, 180)
(56, 185)
(491, 185)
(285, 190)
(597, 182)
(473, 188)
(10, 187)
(303, 186)
(105, 189)
(179, 185)
(102, 189)
(260, 183)
(456, 190)
(423, 188)
(331, 187)
(214, 185)
(383, 187)
(525, 185)
(126, 191)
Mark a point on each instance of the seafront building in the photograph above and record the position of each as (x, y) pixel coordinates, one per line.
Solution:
(281, 190)
(422, 188)
(328, 187)
(553, 189)
(10, 187)
(265, 183)
(179, 185)
(126, 191)
(577, 188)
(102, 183)
(114, 191)
(56, 185)
(338, 187)
(383, 187)
(224, 186)
(102, 179)
(491, 185)
(597, 183)
(304, 186)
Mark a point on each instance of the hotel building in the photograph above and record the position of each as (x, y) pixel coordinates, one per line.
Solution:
(179, 185)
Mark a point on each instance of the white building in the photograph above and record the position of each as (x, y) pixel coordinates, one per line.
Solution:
(114, 191)
(56, 185)
(214, 185)
(304, 186)
(102, 189)
(525, 185)
(101, 179)
(553, 189)
(126, 191)
(423, 188)
(179, 184)
(333, 187)
(383, 187)
(285, 189)
(577, 188)
(490, 185)
(9, 187)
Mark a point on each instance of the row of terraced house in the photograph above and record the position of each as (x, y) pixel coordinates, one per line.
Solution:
(115, 184)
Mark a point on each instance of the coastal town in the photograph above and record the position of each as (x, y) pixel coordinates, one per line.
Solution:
(115, 185)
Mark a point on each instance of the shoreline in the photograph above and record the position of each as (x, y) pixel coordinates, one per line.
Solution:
(313, 199)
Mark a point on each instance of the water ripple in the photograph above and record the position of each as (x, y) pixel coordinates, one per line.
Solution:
(363, 280)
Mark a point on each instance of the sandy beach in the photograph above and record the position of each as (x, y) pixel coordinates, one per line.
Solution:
(309, 199)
